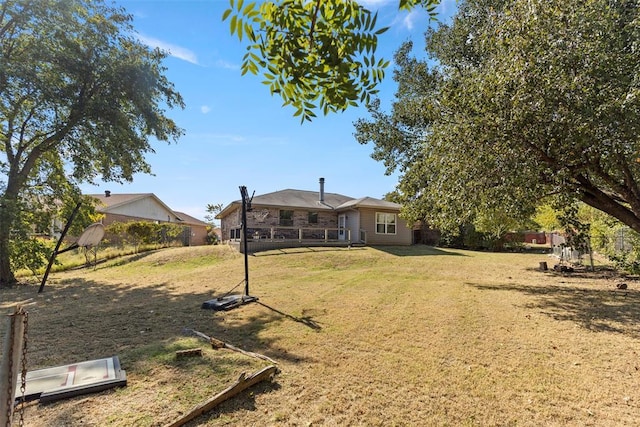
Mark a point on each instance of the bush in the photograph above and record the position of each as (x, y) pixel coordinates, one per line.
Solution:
(30, 253)
(138, 233)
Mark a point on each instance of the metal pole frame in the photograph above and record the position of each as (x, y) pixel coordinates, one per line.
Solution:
(246, 205)
(57, 250)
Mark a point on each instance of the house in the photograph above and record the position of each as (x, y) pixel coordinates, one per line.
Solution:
(299, 217)
(148, 207)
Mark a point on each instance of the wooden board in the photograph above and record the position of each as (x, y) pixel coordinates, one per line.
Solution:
(236, 388)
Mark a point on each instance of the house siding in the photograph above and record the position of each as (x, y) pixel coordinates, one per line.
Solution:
(403, 236)
(146, 208)
(110, 218)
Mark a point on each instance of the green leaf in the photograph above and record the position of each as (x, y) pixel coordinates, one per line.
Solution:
(381, 31)
(232, 25)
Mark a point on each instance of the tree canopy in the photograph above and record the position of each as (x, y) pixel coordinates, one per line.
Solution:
(517, 101)
(80, 98)
(314, 53)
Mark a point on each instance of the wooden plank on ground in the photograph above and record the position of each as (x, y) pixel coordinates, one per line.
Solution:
(240, 385)
(216, 344)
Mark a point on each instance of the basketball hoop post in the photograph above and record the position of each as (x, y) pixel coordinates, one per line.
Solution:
(227, 302)
(246, 205)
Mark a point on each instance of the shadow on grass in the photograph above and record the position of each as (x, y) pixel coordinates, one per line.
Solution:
(585, 272)
(79, 319)
(415, 250)
(598, 310)
(304, 249)
(306, 320)
(126, 259)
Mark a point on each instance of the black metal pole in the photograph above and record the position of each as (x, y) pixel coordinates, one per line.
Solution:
(56, 251)
(243, 191)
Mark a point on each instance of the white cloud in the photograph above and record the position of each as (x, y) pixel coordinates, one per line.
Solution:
(205, 109)
(220, 139)
(229, 139)
(409, 21)
(175, 51)
(448, 6)
(373, 4)
(227, 65)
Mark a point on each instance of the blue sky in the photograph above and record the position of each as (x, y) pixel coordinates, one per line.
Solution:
(236, 133)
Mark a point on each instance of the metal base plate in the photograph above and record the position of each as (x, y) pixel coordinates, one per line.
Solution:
(228, 302)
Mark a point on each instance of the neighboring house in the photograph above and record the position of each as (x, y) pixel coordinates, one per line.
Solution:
(530, 237)
(304, 216)
(198, 229)
(535, 237)
(148, 207)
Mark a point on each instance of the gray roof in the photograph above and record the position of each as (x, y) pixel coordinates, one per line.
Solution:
(188, 219)
(300, 199)
(310, 200)
(289, 198)
(369, 202)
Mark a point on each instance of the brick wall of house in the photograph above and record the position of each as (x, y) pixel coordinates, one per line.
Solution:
(264, 218)
(229, 222)
(198, 235)
(270, 217)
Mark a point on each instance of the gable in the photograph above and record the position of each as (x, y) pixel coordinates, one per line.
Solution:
(146, 206)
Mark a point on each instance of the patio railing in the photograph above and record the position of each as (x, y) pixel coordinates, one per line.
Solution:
(261, 239)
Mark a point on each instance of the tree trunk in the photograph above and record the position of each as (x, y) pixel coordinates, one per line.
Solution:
(7, 208)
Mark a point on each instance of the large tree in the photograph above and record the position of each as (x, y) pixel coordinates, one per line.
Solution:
(80, 97)
(517, 100)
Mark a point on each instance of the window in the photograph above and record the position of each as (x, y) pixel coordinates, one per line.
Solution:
(385, 223)
(286, 218)
(313, 217)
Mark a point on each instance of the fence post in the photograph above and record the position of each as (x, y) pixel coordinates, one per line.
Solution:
(11, 364)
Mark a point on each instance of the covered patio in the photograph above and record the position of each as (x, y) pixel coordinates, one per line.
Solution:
(268, 238)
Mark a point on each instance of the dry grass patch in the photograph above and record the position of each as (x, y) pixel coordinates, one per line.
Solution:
(389, 336)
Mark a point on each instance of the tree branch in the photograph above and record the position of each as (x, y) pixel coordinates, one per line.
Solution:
(600, 200)
(316, 9)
